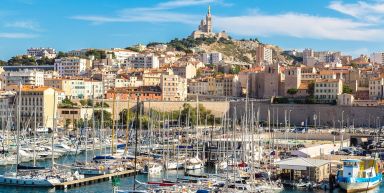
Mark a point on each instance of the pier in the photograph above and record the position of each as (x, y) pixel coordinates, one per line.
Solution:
(94, 179)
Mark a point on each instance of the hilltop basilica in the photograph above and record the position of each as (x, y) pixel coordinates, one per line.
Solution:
(205, 29)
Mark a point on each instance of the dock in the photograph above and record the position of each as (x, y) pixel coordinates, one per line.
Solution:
(94, 179)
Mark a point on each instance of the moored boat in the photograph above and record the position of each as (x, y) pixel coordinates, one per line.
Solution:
(359, 175)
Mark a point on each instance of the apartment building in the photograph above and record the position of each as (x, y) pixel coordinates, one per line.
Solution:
(40, 99)
(376, 88)
(264, 55)
(198, 86)
(228, 85)
(77, 88)
(377, 57)
(142, 61)
(327, 90)
(187, 71)
(40, 53)
(173, 87)
(72, 66)
(211, 58)
(25, 77)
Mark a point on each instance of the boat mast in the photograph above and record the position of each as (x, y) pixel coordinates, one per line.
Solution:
(127, 128)
(136, 129)
(34, 139)
(18, 127)
(197, 125)
(113, 123)
(53, 125)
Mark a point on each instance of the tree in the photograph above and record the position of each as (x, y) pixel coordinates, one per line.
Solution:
(98, 104)
(61, 54)
(45, 61)
(67, 103)
(292, 91)
(311, 88)
(89, 102)
(3, 63)
(106, 115)
(22, 60)
(347, 89)
(132, 49)
(83, 102)
(67, 123)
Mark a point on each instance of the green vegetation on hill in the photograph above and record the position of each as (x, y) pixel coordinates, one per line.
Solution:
(25, 60)
(98, 54)
(186, 44)
(132, 49)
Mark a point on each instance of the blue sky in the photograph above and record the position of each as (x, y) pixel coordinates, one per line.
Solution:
(352, 27)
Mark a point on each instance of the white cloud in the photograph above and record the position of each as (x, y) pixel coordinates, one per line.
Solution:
(30, 25)
(301, 26)
(373, 11)
(17, 35)
(183, 3)
(129, 15)
(158, 13)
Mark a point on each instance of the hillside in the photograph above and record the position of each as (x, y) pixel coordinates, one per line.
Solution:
(237, 51)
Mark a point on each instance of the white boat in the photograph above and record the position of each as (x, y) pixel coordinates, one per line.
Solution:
(152, 168)
(173, 165)
(194, 164)
(28, 180)
(66, 149)
(359, 175)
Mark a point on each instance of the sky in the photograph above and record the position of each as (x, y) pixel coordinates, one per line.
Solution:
(352, 27)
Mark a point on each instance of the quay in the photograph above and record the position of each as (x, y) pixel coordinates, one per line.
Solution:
(94, 179)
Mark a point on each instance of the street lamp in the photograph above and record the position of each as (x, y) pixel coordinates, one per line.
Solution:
(289, 119)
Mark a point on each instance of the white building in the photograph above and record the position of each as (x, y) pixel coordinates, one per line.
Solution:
(377, 57)
(263, 55)
(76, 88)
(142, 61)
(122, 54)
(327, 90)
(173, 87)
(25, 77)
(71, 66)
(376, 88)
(211, 58)
(39, 53)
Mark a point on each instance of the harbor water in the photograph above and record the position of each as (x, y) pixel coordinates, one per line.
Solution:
(125, 183)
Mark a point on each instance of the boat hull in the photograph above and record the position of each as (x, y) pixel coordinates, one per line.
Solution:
(15, 181)
(358, 187)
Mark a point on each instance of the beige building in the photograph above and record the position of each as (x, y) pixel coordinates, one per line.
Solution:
(41, 99)
(345, 100)
(151, 79)
(74, 114)
(376, 88)
(199, 86)
(173, 87)
(327, 90)
(228, 85)
(187, 71)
